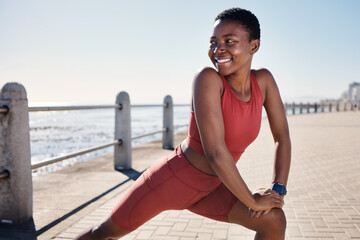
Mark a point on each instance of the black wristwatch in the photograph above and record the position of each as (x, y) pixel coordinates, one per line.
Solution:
(279, 188)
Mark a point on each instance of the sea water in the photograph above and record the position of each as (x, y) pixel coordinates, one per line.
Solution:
(57, 133)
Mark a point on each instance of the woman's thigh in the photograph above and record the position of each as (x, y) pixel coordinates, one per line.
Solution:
(215, 205)
(170, 183)
(156, 190)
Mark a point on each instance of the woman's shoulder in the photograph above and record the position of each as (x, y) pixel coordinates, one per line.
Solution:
(208, 75)
(262, 74)
(264, 79)
(207, 72)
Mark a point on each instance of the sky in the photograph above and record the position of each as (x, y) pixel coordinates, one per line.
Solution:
(85, 51)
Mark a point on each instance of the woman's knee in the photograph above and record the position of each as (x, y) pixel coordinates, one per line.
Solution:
(276, 220)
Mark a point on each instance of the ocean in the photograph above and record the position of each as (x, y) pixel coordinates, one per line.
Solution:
(57, 133)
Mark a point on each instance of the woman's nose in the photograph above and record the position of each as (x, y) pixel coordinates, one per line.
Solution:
(219, 48)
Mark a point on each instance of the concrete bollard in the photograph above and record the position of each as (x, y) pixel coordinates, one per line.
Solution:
(16, 201)
(168, 135)
(122, 152)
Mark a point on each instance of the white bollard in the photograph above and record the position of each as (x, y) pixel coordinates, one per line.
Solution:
(16, 193)
(122, 152)
(168, 123)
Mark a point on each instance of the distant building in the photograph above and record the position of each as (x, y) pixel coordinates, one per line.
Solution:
(354, 93)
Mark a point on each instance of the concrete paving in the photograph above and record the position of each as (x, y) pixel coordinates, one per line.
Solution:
(323, 200)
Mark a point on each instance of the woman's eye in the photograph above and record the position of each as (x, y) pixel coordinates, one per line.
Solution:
(212, 43)
(230, 41)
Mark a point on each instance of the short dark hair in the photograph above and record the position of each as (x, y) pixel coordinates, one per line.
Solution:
(246, 18)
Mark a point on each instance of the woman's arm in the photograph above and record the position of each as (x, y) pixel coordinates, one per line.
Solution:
(280, 131)
(207, 92)
(279, 127)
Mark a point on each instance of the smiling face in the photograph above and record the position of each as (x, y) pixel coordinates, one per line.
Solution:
(230, 48)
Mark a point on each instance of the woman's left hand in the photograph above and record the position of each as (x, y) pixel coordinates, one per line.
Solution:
(260, 192)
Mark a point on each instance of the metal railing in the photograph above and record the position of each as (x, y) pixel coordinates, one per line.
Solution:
(122, 104)
(74, 154)
(88, 150)
(49, 161)
(67, 108)
(4, 109)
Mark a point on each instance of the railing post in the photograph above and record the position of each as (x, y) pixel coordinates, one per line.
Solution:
(293, 108)
(330, 105)
(308, 108)
(16, 201)
(315, 107)
(122, 152)
(322, 107)
(168, 123)
(338, 107)
(301, 108)
(345, 107)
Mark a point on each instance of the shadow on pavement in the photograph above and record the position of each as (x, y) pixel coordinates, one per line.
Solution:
(130, 173)
(21, 231)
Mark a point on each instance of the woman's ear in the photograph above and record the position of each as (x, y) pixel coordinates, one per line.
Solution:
(255, 45)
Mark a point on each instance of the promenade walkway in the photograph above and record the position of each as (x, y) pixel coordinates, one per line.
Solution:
(323, 200)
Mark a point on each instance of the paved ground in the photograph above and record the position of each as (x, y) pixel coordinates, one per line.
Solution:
(323, 200)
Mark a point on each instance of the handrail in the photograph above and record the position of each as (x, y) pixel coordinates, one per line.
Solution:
(74, 154)
(66, 108)
(180, 126)
(82, 152)
(158, 105)
(88, 107)
(4, 174)
(149, 134)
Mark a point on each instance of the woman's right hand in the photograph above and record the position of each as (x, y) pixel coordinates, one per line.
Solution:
(268, 200)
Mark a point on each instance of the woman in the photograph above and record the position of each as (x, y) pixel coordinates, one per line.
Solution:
(201, 175)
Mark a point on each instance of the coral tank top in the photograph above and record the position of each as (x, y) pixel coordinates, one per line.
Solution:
(242, 120)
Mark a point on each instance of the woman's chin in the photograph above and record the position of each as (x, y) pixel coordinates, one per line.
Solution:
(223, 72)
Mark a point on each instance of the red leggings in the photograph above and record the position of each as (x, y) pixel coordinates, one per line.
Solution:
(172, 183)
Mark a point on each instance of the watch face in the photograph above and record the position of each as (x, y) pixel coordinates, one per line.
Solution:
(279, 188)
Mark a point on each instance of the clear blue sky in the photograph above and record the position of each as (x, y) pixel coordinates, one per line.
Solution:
(86, 51)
